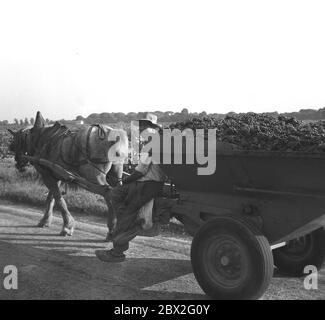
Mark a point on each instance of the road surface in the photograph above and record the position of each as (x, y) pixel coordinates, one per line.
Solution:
(53, 267)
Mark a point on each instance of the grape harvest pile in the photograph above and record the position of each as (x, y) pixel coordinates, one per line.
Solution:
(251, 131)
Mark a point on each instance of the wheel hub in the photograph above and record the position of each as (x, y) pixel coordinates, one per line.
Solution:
(228, 264)
(224, 261)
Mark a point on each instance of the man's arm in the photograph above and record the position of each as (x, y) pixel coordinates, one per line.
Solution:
(141, 170)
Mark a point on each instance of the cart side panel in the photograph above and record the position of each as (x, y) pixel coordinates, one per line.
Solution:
(274, 171)
(281, 218)
(288, 217)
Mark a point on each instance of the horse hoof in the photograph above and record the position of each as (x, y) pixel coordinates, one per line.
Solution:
(70, 232)
(44, 225)
(67, 232)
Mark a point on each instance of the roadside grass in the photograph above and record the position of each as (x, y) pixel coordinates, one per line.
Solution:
(27, 187)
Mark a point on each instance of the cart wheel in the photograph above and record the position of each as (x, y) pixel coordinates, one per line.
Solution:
(301, 252)
(231, 259)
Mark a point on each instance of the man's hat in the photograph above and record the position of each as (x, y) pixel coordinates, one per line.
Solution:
(151, 117)
(150, 121)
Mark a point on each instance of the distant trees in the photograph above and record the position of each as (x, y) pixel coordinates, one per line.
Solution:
(185, 112)
(131, 116)
(170, 116)
(21, 122)
(307, 114)
(165, 116)
(80, 118)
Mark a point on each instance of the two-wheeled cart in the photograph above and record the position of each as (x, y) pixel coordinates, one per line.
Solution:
(254, 202)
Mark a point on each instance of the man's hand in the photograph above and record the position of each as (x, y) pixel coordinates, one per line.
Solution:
(133, 177)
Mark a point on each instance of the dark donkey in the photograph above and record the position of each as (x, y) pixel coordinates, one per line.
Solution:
(88, 151)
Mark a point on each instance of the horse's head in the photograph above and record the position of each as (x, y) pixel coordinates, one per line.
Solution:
(22, 143)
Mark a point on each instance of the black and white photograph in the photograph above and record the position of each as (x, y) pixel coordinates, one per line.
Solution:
(162, 155)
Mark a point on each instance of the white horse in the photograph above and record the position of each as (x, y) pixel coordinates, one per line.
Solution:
(90, 151)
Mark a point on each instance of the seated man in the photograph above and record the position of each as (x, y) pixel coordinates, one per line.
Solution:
(139, 188)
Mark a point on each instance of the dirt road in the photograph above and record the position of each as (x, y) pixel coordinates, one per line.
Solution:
(52, 267)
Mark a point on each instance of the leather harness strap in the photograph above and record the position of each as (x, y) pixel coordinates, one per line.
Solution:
(87, 154)
(60, 133)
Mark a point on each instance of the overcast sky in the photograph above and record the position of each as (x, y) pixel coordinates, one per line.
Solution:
(69, 58)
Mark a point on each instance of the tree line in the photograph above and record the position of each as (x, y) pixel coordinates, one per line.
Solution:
(170, 116)
(22, 122)
(167, 116)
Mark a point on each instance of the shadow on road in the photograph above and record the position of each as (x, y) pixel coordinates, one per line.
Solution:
(22, 236)
(67, 268)
(20, 226)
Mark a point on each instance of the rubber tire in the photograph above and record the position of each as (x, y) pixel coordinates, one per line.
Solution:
(294, 267)
(254, 243)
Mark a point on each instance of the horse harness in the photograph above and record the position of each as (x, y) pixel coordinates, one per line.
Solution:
(62, 132)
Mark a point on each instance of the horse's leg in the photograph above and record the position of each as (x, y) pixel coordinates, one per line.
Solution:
(116, 171)
(68, 221)
(48, 215)
(54, 187)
